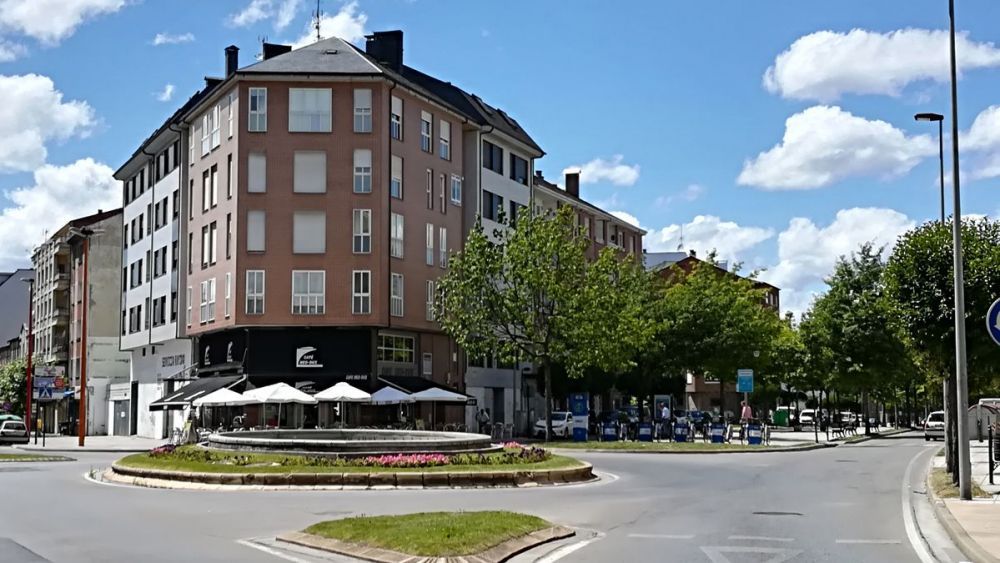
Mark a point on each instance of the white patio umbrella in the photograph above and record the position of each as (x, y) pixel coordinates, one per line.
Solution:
(390, 396)
(280, 394)
(222, 398)
(437, 395)
(344, 393)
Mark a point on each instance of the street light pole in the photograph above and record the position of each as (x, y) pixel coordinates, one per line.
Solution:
(31, 349)
(961, 370)
(82, 413)
(940, 121)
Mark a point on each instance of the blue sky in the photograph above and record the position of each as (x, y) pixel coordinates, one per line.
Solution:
(669, 108)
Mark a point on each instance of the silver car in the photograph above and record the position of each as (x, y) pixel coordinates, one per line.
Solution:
(934, 426)
(13, 432)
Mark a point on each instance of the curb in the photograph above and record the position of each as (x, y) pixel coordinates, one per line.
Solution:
(83, 450)
(159, 478)
(969, 547)
(496, 554)
(41, 458)
(862, 438)
(778, 449)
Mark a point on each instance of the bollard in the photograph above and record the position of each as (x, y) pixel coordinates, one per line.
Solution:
(990, 452)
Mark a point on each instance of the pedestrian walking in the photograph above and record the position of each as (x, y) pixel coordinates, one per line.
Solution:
(746, 413)
(483, 418)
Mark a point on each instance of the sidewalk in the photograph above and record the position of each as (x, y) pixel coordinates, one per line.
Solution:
(974, 525)
(68, 444)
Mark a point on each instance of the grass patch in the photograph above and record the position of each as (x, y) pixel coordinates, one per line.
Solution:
(943, 487)
(432, 534)
(32, 457)
(661, 446)
(269, 463)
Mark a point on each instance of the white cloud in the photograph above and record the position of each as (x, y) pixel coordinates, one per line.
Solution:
(983, 141)
(282, 11)
(10, 51)
(59, 193)
(600, 170)
(51, 21)
(167, 94)
(627, 217)
(807, 252)
(168, 39)
(690, 193)
(706, 233)
(825, 65)
(34, 113)
(825, 144)
(348, 24)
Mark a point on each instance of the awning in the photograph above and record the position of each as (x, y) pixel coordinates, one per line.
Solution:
(181, 398)
(423, 389)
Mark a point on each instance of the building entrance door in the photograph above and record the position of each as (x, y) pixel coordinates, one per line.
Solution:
(497, 413)
(120, 426)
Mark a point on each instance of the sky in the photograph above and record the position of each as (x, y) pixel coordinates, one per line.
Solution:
(778, 133)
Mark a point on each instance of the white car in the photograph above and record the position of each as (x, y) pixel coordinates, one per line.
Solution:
(934, 426)
(13, 432)
(807, 416)
(562, 425)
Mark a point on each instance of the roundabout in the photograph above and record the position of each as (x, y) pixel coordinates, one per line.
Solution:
(351, 442)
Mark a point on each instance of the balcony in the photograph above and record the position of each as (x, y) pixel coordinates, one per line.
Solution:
(61, 282)
(60, 248)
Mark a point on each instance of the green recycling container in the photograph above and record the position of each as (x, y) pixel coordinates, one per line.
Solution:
(781, 418)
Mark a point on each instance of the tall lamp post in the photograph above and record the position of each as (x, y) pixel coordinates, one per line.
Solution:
(961, 370)
(81, 427)
(940, 121)
(31, 351)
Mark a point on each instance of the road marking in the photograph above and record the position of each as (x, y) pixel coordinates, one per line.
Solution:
(271, 551)
(663, 536)
(760, 538)
(716, 554)
(568, 549)
(909, 521)
(870, 542)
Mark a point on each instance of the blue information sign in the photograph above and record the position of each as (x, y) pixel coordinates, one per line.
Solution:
(744, 381)
(993, 321)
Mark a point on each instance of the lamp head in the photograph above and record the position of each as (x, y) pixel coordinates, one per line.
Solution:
(929, 117)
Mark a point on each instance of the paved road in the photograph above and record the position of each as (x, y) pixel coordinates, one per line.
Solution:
(838, 504)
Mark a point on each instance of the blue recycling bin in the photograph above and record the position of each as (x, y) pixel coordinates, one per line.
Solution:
(645, 432)
(609, 432)
(681, 432)
(579, 434)
(755, 434)
(718, 433)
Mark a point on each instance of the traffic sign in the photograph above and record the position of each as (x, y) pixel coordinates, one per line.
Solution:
(744, 381)
(45, 393)
(993, 321)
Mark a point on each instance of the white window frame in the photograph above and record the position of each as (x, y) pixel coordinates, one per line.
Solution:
(442, 198)
(443, 247)
(309, 302)
(206, 134)
(361, 220)
(213, 242)
(397, 235)
(396, 177)
(396, 293)
(456, 189)
(396, 118)
(362, 171)
(216, 126)
(308, 119)
(427, 364)
(229, 295)
(430, 188)
(430, 244)
(431, 293)
(254, 297)
(257, 118)
(426, 132)
(231, 113)
(214, 173)
(187, 316)
(361, 297)
(362, 110)
(444, 140)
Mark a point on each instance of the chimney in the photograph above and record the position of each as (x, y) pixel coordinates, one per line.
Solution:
(272, 50)
(573, 184)
(232, 60)
(692, 254)
(386, 47)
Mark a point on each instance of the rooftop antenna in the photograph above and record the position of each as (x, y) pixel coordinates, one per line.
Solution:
(319, 16)
(680, 246)
(261, 39)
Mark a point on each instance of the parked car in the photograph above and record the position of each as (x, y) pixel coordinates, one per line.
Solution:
(934, 426)
(562, 425)
(13, 432)
(849, 418)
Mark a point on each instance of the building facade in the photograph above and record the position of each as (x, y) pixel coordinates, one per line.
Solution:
(14, 298)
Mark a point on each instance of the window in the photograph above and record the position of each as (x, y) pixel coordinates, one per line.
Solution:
(393, 348)
(492, 205)
(206, 188)
(229, 236)
(229, 175)
(173, 306)
(255, 292)
(396, 180)
(257, 120)
(430, 300)
(443, 246)
(492, 157)
(396, 236)
(175, 256)
(177, 203)
(256, 231)
(216, 118)
(362, 220)
(396, 119)
(309, 110)
(427, 361)
(310, 172)
(426, 131)
(444, 140)
(361, 292)
(230, 113)
(207, 310)
(205, 250)
(430, 189)
(190, 252)
(212, 242)
(256, 173)
(430, 244)
(190, 200)
(586, 226)
(456, 190)
(229, 295)
(518, 169)
(396, 296)
(599, 230)
(215, 186)
(206, 134)
(362, 110)
(190, 153)
(308, 292)
(516, 209)
(309, 232)
(362, 171)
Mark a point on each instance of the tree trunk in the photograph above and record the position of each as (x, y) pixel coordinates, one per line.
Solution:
(722, 400)
(949, 425)
(546, 373)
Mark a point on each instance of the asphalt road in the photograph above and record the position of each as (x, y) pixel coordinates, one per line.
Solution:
(838, 504)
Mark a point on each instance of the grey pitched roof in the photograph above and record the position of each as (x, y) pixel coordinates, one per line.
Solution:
(329, 56)
(13, 304)
(657, 260)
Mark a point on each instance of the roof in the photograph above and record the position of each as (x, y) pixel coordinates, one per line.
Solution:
(414, 384)
(14, 295)
(678, 257)
(657, 260)
(182, 397)
(539, 181)
(340, 57)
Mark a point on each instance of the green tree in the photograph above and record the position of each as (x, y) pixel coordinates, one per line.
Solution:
(532, 295)
(13, 385)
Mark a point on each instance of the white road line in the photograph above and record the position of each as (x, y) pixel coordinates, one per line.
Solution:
(870, 542)
(663, 536)
(909, 521)
(271, 551)
(760, 538)
(568, 549)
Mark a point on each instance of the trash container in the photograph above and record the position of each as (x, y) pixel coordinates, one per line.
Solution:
(609, 432)
(718, 433)
(645, 432)
(579, 434)
(781, 418)
(681, 432)
(755, 434)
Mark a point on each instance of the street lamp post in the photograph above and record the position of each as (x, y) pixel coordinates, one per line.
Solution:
(31, 351)
(961, 370)
(940, 121)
